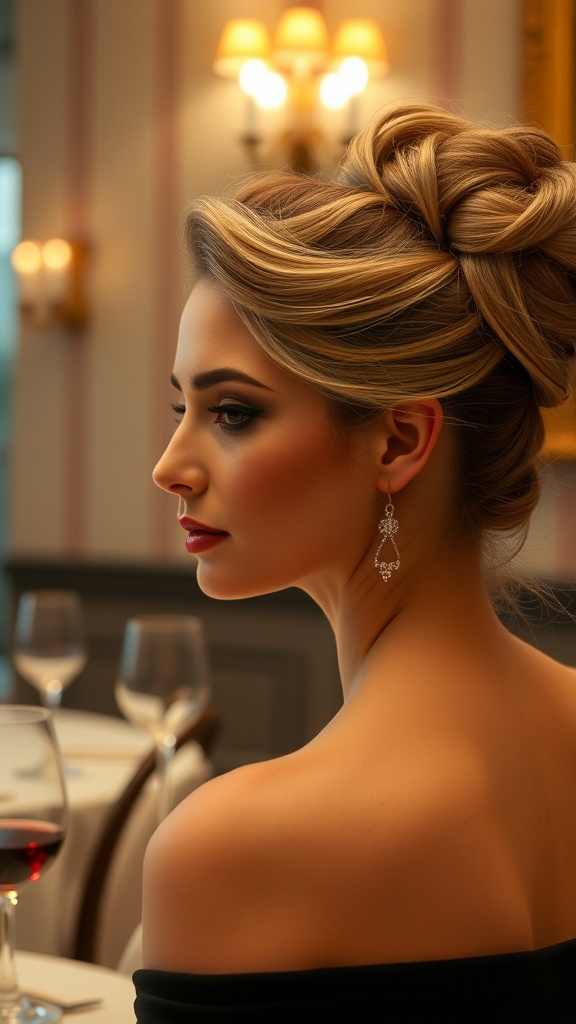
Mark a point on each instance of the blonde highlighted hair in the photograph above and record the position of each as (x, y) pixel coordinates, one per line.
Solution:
(441, 262)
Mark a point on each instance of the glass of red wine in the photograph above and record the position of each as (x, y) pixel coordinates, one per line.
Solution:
(33, 812)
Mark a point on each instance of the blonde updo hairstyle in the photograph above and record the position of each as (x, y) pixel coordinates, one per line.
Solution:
(440, 263)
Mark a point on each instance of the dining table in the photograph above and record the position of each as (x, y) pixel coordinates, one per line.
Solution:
(87, 993)
(100, 753)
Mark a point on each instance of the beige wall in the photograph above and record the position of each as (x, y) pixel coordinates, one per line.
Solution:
(120, 122)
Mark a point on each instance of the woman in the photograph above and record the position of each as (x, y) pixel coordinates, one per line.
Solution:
(362, 368)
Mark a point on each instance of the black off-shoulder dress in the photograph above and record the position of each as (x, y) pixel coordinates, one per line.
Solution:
(510, 988)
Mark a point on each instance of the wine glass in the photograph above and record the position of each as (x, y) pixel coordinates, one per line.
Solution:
(33, 811)
(163, 683)
(49, 650)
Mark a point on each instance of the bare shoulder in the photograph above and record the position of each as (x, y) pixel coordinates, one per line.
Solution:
(299, 862)
(223, 815)
(214, 869)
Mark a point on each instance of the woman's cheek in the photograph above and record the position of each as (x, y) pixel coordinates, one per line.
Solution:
(272, 478)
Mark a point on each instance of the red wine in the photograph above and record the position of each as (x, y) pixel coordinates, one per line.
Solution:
(25, 848)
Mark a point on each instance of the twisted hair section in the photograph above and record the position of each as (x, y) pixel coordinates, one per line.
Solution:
(441, 262)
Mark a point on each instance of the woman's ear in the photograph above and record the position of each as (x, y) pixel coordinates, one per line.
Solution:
(409, 433)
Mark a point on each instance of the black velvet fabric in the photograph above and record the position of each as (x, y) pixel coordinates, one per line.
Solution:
(511, 988)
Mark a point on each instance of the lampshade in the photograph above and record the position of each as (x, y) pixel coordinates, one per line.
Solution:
(242, 39)
(301, 36)
(361, 37)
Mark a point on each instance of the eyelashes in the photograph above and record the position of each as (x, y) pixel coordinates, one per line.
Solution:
(230, 416)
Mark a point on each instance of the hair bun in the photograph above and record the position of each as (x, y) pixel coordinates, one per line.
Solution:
(504, 215)
(503, 201)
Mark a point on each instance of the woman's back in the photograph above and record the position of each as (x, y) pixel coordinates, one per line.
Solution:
(441, 865)
(444, 826)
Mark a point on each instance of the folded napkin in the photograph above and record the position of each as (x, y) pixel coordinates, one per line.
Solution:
(67, 1003)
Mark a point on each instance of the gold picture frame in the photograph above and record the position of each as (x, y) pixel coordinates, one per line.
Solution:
(548, 99)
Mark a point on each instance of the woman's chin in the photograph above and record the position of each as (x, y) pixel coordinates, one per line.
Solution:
(220, 586)
(224, 588)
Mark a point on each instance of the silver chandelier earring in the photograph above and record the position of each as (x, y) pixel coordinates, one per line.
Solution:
(388, 527)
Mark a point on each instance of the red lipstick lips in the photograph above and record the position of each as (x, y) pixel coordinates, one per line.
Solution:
(199, 536)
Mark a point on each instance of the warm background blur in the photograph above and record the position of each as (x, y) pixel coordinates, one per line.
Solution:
(119, 121)
(112, 118)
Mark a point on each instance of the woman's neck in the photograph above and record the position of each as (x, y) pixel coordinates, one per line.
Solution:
(435, 604)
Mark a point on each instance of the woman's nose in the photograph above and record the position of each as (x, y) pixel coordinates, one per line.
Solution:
(176, 471)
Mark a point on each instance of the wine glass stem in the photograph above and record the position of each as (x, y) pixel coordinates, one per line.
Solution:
(164, 753)
(51, 699)
(9, 990)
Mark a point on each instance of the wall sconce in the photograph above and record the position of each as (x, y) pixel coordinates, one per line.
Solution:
(51, 283)
(301, 66)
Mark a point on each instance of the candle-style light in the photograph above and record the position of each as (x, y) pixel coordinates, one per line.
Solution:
(51, 283)
(302, 65)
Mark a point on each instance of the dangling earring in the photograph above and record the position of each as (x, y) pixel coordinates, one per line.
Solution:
(388, 527)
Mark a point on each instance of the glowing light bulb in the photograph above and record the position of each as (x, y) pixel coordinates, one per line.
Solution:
(334, 91)
(57, 261)
(252, 76)
(27, 258)
(273, 91)
(266, 87)
(27, 262)
(56, 254)
(354, 73)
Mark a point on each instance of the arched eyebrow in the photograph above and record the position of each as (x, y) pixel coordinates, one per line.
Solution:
(203, 381)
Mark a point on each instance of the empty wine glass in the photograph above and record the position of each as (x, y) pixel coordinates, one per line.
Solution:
(49, 649)
(33, 813)
(163, 683)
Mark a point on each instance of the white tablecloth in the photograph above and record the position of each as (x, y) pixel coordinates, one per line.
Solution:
(104, 752)
(69, 979)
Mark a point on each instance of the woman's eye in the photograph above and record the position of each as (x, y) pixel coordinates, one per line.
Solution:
(232, 417)
(179, 410)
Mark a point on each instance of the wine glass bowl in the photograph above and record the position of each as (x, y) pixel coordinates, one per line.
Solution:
(33, 815)
(49, 648)
(163, 681)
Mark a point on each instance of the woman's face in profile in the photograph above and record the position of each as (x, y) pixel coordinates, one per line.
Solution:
(268, 494)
